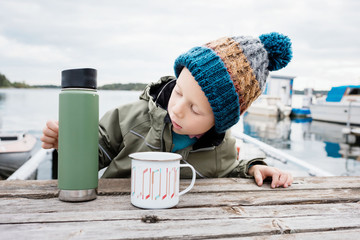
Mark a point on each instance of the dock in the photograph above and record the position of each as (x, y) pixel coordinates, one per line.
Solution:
(224, 208)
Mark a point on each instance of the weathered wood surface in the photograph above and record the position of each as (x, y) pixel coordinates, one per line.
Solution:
(312, 208)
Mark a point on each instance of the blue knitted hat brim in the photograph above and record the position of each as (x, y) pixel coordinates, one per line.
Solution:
(210, 72)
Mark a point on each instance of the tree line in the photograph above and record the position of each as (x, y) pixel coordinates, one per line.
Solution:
(6, 83)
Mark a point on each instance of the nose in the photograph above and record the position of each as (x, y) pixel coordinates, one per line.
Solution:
(178, 109)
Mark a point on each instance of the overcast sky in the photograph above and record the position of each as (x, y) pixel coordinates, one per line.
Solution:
(138, 41)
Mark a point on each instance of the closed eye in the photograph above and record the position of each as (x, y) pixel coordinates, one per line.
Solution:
(194, 110)
(177, 91)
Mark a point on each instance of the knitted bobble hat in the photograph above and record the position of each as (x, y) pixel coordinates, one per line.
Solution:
(232, 71)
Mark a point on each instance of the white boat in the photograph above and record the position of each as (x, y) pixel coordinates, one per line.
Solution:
(276, 99)
(269, 106)
(15, 150)
(341, 105)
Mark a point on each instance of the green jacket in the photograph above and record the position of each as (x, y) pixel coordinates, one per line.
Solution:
(145, 126)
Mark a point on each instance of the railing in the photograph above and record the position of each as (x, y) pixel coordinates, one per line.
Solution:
(282, 156)
(28, 168)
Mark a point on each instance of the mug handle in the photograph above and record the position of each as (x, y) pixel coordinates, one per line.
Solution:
(192, 181)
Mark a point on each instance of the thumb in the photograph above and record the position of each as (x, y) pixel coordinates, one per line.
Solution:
(258, 178)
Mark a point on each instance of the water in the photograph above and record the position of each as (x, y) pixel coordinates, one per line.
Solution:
(318, 143)
(29, 109)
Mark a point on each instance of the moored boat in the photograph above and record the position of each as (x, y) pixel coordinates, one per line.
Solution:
(269, 106)
(15, 150)
(341, 105)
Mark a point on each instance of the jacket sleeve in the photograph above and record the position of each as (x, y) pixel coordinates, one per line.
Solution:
(249, 156)
(242, 169)
(110, 137)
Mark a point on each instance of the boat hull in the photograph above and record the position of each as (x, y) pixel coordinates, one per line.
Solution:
(14, 152)
(263, 110)
(269, 106)
(333, 112)
(10, 162)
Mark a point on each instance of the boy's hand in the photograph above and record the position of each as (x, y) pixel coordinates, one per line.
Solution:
(50, 135)
(279, 178)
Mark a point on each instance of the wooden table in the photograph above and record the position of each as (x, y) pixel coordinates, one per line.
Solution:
(312, 208)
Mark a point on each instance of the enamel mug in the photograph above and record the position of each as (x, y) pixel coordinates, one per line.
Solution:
(155, 178)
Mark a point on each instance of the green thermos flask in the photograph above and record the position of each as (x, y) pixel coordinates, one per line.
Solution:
(78, 135)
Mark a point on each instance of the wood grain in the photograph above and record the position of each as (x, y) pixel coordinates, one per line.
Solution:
(312, 208)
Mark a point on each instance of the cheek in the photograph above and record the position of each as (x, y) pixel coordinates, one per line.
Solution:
(209, 124)
(203, 123)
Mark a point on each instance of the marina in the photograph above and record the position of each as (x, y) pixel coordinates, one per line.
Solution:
(323, 201)
(321, 144)
(318, 143)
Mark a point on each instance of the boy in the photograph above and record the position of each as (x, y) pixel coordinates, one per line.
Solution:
(191, 114)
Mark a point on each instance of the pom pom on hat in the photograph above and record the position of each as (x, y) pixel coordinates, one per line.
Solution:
(232, 71)
(279, 51)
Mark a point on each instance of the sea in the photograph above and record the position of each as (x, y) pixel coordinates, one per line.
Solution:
(320, 144)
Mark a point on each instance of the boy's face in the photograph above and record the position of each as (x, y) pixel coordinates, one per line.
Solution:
(188, 107)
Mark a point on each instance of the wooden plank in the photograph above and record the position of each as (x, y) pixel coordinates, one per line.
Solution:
(30, 188)
(48, 188)
(122, 202)
(84, 213)
(328, 235)
(275, 198)
(133, 229)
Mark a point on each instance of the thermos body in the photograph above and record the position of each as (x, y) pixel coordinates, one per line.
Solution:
(78, 141)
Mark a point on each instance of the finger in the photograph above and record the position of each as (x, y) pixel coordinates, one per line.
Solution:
(282, 180)
(50, 133)
(47, 145)
(275, 180)
(290, 180)
(47, 139)
(258, 178)
(53, 125)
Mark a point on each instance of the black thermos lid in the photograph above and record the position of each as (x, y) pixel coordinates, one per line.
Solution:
(79, 78)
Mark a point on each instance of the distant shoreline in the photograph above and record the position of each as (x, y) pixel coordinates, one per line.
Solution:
(6, 83)
(134, 87)
(116, 86)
